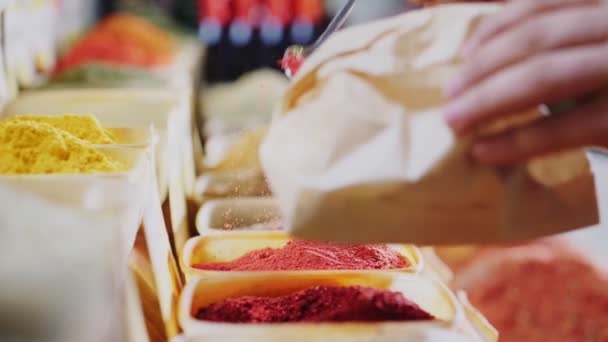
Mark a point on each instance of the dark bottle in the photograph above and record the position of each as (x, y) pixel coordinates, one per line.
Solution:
(183, 11)
(242, 38)
(214, 18)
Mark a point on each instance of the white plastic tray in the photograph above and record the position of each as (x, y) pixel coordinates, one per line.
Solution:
(119, 195)
(429, 295)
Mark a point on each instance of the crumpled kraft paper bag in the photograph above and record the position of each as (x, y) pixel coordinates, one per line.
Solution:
(358, 150)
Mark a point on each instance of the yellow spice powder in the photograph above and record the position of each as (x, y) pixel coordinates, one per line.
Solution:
(29, 147)
(85, 127)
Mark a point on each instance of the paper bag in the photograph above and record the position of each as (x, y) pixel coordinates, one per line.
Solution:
(359, 151)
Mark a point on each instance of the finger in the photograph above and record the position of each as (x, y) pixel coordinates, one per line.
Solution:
(585, 126)
(543, 79)
(514, 13)
(546, 32)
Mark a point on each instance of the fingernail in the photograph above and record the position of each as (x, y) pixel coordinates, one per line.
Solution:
(453, 88)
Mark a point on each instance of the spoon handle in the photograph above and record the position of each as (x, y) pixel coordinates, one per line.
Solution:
(336, 23)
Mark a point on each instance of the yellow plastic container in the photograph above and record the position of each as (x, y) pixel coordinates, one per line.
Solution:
(218, 247)
(451, 323)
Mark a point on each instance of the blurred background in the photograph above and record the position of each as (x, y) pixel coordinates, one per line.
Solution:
(71, 280)
(245, 35)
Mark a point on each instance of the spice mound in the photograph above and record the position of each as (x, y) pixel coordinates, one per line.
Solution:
(317, 304)
(544, 296)
(123, 40)
(85, 127)
(28, 147)
(308, 255)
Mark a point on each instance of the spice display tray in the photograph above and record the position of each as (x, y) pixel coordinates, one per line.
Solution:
(119, 195)
(218, 247)
(244, 183)
(451, 324)
(143, 274)
(61, 269)
(119, 106)
(109, 107)
(237, 214)
(133, 137)
(72, 188)
(134, 307)
(165, 111)
(478, 322)
(434, 266)
(175, 76)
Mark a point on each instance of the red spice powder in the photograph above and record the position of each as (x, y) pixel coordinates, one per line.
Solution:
(539, 299)
(317, 304)
(308, 255)
(292, 60)
(291, 64)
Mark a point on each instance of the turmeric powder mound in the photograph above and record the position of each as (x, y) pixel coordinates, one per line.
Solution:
(29, 147)
(85, 127)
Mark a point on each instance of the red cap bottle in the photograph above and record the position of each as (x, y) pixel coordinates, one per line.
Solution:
(243, 37)
(310, 10)
(308, 18)
(280, 10)
(218, 10)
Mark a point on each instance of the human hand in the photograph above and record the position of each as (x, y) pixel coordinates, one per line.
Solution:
(534, 52)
